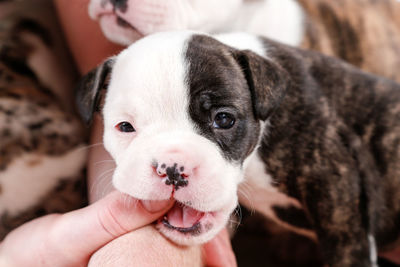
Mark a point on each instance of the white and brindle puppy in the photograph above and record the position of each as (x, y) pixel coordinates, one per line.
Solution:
(189, 117)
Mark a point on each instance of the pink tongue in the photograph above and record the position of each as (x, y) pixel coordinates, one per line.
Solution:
(183, 216)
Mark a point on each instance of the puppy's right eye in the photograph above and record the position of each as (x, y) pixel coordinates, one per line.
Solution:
(125, 127)
(224, 121)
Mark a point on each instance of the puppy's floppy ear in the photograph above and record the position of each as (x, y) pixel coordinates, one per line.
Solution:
(90, 89)
(266, 79)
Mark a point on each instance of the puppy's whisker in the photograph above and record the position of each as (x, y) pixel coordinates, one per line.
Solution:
(234, 223)
(275, 182)
(102, 182)
(109, 186)
(87, 147)
(129, 201)
(246, 193)
(238, 212)
(103, 161)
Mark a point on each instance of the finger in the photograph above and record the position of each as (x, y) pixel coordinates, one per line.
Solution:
(218, 252)
(78, 234)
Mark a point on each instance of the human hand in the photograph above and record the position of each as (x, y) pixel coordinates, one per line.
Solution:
(218, 252)
(70, 239)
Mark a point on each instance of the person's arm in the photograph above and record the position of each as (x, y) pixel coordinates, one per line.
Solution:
(85, 39)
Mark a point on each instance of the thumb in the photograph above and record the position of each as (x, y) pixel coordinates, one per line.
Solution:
(78, 234)
(218, 252)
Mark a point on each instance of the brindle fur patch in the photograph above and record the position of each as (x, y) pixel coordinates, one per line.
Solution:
(365, 33)
(340, 152)
(332, 141)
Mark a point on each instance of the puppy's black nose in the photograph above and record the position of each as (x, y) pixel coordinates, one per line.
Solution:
(174, 173)
(175, 176)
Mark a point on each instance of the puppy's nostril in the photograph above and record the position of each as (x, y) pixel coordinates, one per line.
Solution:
(121, 5)
(118, 2)
(159, 169)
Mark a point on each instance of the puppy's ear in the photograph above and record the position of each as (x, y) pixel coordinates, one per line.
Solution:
(267, 82)
(90, 89)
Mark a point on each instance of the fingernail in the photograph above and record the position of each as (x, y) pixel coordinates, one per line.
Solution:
(154, 206)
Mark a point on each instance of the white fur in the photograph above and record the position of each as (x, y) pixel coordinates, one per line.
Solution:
(282, 20)
(373, 252)
(254, 167)
(256, 173)
(243, 41)
(32, 176)
(148, 89)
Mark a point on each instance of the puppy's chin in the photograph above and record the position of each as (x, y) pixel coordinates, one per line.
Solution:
(186, 226)
(119, 34)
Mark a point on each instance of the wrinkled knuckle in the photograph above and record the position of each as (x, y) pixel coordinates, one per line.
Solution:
(108, 219)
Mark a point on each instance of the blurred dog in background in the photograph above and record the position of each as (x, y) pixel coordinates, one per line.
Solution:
(363, 32)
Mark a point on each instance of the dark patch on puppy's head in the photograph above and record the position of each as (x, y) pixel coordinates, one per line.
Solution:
(267, 81)
(241, 84)
(217, 85)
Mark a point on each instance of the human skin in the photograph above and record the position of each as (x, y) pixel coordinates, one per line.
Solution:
(70, 239)
(144, 246)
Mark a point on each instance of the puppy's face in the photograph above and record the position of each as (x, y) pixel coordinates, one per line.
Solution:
(180, 121)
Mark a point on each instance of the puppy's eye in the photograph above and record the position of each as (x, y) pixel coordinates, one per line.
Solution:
(223, 120)
(125, 127)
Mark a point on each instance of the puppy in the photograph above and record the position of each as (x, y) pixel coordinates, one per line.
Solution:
(363, 32)
(189, 117)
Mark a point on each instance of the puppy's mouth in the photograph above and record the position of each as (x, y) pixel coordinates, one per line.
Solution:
(183, 219)
(124, 24)
(118, 20)
(118, 29)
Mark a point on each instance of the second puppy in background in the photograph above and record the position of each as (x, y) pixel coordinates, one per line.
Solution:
(362, 32)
